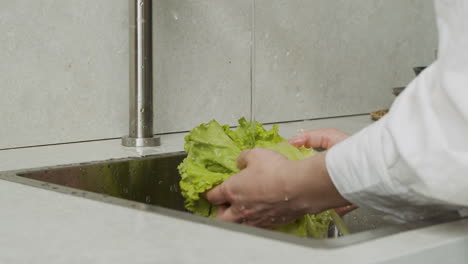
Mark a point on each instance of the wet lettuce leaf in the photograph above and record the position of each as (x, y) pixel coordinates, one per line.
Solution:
(212, 153)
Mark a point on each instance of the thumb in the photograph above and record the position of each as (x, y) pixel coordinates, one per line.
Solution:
(242, 160)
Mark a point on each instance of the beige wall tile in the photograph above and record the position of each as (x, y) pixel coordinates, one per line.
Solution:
(320, 58)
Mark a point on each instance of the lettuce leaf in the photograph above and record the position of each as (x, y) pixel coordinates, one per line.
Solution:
(212, 153)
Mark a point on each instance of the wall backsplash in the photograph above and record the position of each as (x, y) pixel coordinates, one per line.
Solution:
(64, 64)
(325, 58)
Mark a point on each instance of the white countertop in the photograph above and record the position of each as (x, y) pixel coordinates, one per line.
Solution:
(41, 226)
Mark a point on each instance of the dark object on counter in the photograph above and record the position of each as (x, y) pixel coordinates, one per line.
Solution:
(397, 91)
(418, 70)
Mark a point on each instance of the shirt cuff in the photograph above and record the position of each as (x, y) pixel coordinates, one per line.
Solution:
(363, 170)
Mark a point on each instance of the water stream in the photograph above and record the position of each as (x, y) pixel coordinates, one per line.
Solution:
(252, 72)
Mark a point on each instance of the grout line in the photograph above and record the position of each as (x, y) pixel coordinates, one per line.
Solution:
(174, 133)
(314, 119)
(58, 144)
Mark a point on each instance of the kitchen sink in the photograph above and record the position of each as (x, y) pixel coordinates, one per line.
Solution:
(151, 184)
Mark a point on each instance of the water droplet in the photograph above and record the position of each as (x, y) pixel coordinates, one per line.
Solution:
(300, 131)
(175, 16)
(160, 182)
(286, 198)
(142, 110)
(272, 219)
(148, 199)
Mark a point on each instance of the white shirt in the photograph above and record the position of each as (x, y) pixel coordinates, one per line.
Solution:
(414, 161)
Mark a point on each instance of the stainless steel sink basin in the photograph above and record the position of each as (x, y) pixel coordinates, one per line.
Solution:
(151, 184)
(149, 181)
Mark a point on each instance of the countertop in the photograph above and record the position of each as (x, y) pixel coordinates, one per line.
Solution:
(41, 226)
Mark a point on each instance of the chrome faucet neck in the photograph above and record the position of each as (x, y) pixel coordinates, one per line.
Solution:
(141, 77)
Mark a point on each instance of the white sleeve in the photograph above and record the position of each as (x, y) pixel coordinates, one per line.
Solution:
(415, 160)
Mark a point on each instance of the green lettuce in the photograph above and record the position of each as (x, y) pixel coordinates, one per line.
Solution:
(212, 153)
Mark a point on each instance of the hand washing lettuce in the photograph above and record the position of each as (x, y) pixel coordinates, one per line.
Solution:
(212, 153)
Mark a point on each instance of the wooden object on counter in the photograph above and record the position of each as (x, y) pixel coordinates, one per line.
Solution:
(378, 114)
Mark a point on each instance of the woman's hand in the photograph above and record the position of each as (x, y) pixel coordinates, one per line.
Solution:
(271, 190)
(260, 194)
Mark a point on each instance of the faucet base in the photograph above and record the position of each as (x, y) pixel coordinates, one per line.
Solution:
(128, 141)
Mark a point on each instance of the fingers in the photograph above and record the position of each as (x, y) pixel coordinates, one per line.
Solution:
(321, 138)
(311, 139)
(298, 141)
(227, 214)
(221, 194)
(233, 214)
(217, 195)
(345, 210)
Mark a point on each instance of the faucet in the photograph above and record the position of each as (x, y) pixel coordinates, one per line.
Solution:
(141, 77)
